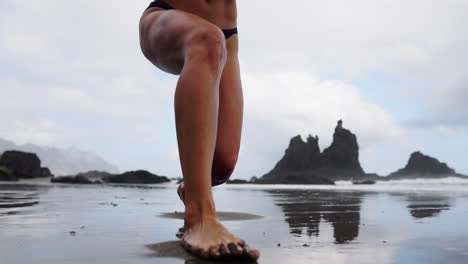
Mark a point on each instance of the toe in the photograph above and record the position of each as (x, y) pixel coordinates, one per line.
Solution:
(224, 251)
(185, 244)
(234, 250)
(204, 253)
(215, 252)
(252, 254)
(180, 233)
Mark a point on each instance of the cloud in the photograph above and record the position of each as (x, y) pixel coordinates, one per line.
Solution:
(84, 63)
(422, 43)
(281, 105)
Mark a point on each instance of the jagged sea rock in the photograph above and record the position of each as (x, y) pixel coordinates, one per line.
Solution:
(343, 153)
(303, 163)
(24, 165)
(7, 175)
(136, 177)
(423, 166)
(298, 158)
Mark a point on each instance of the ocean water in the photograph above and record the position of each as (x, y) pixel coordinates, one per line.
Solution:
(409, 221)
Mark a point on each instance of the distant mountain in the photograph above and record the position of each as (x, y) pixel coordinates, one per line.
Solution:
(423, 166)
(303, 163)
(63, 161)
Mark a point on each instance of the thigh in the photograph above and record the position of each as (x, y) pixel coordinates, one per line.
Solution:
(164, 35)
(230, 105)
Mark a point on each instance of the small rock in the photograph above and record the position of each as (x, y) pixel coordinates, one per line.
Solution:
(72, 233)
(305, 245)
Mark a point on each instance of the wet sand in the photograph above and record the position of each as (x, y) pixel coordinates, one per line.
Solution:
(45, 223)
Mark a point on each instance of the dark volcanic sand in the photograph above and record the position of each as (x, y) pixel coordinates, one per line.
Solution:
(385, 223)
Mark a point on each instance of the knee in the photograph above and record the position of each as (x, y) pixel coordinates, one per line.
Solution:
(207, 45)
(223, 167)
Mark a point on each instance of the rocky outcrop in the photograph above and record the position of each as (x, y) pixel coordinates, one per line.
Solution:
(90, 177)
(136, 177)
(237, 181)
(95, 175)
(343, 154)
(423, 166)
(45, 173)
(303, 163)
(297, 178)
(72, 179)
(24, 165)
(368, 182)
(300, 155)
(299, 158)
(7, 175)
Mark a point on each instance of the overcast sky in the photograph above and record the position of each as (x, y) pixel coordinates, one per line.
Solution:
(396, 72)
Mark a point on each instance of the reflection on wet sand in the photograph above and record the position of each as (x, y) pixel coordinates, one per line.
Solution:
(427, 206)
(15, 197)
(304, 209)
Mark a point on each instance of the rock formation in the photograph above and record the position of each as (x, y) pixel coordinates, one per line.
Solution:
(136, 177)
(95, 175)
(72, 179)
(303, 163)
(343, 154)
(24, 165)
(299, 159)
(7, 175)
(422, 166)
(237, 181)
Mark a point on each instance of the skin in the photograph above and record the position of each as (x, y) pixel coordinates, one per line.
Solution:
(208, 101)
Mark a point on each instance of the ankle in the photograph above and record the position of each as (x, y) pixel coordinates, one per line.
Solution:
(197, 211)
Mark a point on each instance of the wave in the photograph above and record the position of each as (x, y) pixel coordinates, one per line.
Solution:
(447, 181)
(445, 185)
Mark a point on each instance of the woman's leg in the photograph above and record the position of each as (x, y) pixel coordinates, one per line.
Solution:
(230, 115)
(180, 42)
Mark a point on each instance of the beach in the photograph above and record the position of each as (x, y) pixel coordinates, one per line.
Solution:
(418, 221)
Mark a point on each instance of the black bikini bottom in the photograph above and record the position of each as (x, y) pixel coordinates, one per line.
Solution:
(159, 3)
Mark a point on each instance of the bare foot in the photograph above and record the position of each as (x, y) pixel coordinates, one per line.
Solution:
(204, 236)
(181, 192)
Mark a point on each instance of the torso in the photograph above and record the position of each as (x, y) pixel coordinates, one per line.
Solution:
(222, 13)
